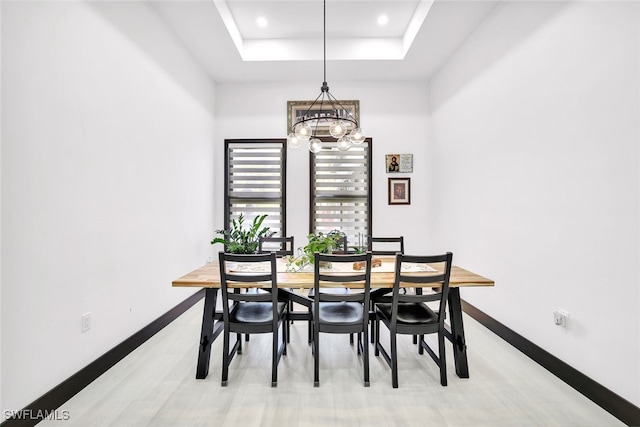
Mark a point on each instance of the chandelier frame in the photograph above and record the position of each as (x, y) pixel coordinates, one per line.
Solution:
(348, 129)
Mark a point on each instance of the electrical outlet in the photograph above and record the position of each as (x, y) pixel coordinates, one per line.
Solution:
(86, 322)
(561, 318)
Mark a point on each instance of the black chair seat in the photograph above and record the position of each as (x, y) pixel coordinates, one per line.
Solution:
(261, 291)
(409, 313)
(336, 291)
(341, 313)
(255, 312)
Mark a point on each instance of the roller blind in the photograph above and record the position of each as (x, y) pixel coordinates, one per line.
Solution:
(341, 190)
(255, 182)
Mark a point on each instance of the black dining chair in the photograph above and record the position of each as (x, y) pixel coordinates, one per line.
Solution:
(385, 245)
(382, 246)
(343, 248)
(282, 246)
(340, 312)
(340, 250)
(251, 312)
(409, 314)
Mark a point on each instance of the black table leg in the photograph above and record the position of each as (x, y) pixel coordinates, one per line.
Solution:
(457, 333)
(291, 295)
(210, 330)
(375, 293)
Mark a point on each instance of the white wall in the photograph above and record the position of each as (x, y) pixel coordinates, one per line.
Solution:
(1, 207)
(107, 182)
(393, 114)
(535, 130)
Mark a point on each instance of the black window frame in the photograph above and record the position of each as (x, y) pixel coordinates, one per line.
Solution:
(229, 197)
(352, 237)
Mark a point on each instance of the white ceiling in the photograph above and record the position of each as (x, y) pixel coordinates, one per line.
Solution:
(291, 19)
(417, 40)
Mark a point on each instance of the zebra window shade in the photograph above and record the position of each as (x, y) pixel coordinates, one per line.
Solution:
(341, 190)
(256, 182)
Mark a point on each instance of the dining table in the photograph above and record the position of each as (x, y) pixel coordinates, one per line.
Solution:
(293, 282)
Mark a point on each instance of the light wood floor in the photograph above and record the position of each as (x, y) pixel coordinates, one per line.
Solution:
(156, 386)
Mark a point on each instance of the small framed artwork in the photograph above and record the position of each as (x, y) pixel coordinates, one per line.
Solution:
(296, 110)
(399, 163)
(399, 191)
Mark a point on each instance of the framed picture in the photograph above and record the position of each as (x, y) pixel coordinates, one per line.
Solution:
(399, 191)
(395, 163)
(298, 109)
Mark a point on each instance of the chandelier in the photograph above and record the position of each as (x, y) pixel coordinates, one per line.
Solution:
(325, 112)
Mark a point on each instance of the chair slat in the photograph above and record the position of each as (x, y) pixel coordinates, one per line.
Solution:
(421, 279)
(342, 278)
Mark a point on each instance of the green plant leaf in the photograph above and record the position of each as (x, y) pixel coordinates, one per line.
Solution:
(241, 240)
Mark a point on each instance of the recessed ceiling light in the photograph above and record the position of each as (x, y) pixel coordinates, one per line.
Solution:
(383, 19)
(261, 22)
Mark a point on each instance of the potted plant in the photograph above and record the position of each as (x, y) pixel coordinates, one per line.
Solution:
(319, 242)
(241, 240)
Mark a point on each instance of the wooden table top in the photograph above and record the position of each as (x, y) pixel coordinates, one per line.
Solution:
(208, 276)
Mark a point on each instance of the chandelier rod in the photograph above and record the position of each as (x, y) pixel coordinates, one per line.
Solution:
(324, 3)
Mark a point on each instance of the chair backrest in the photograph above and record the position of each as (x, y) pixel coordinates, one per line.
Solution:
(385, 245)
(282, 246)
(342, 271)
(242, 269)
(344, 248)
(422, 271)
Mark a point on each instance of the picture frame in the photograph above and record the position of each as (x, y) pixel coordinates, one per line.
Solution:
(399, 191)
(399, 163)
(297, 109)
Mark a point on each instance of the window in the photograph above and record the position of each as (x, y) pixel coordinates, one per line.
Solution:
(255, 181)
(341, 190)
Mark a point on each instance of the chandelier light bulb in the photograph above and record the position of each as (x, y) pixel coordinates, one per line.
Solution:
(315, 145)
(303, 131)
(344, 143)
(293, 141)
(338, 128)
(357, 136)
